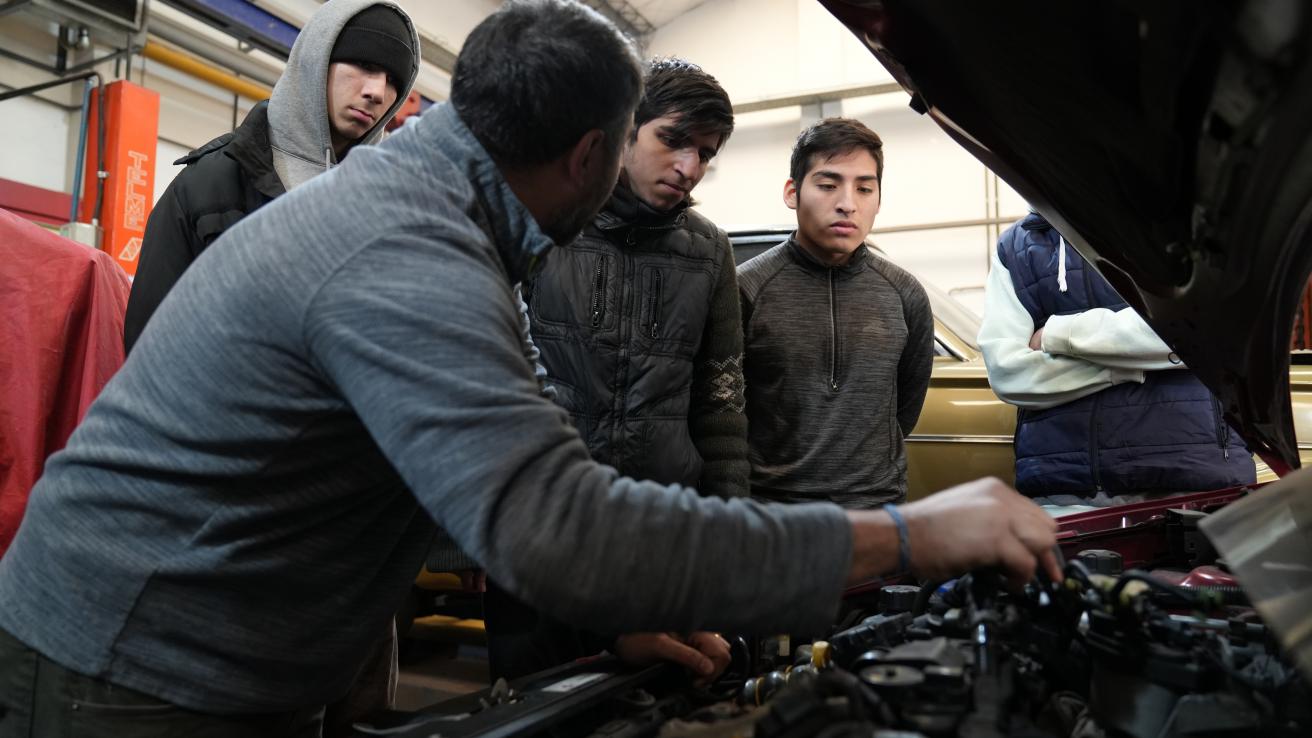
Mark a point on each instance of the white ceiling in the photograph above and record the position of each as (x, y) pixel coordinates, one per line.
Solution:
(657, 12)
(660, 12)
(446, 24)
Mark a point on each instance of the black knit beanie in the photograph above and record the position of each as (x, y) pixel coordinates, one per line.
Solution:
(377, 35)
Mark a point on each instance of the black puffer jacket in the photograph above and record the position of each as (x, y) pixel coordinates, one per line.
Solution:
(225, 180)
(638, 325)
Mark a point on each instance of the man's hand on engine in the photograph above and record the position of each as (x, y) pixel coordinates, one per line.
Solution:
(978, 524)
(706, 655)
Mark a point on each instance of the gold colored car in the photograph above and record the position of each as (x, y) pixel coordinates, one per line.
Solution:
(965, 432)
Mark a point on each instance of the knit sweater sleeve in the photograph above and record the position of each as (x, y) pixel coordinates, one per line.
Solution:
(1114, 338)
(716, 419)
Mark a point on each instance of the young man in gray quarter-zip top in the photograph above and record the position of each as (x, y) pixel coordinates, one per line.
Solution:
(838, 341)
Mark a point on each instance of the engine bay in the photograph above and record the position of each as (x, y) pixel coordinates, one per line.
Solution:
(1166, 650)
(1099, 654)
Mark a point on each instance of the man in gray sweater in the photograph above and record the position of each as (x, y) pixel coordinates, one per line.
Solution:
(246, 504)
(838, 341)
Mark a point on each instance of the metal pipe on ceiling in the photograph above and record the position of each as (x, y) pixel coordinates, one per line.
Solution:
(626, 16)
(243, 21)
(180, 36)
(200, 70)
(946, 224)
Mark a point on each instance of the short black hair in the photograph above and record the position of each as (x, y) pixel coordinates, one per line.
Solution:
(834, 137)
(677, 87)
(536, 75)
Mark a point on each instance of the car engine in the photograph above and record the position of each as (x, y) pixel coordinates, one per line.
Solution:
(1170, 652)
(1129, 654)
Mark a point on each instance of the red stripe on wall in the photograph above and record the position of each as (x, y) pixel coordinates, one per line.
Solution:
(35, 203)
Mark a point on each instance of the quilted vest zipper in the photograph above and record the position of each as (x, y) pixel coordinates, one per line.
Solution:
(599, 294)
(654, 298)
(1093, 445)
(1222, 431)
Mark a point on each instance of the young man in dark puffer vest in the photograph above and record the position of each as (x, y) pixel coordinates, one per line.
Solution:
(1107, 413)
(638, 326)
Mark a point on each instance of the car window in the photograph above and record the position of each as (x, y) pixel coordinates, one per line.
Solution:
(963, 323)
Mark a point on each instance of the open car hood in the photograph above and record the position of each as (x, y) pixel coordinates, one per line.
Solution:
(1169, 141)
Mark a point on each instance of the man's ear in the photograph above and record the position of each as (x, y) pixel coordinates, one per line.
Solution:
(790, 194)
(586, 156)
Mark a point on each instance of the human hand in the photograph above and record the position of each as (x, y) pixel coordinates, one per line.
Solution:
(977, 524)
(704, 654)
(1036, 340)
(473, 580)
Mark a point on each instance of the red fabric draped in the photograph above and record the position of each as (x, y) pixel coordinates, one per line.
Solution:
(61, 339)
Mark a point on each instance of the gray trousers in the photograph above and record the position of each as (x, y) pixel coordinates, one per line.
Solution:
(39, 698)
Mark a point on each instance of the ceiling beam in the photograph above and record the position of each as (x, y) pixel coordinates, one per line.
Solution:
(627, 17)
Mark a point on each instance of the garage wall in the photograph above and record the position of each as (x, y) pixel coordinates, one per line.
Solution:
(449, 22)
(40, 132)
(191, 111)
(40, 137)
(759, 49)
(767, 49)
(31, 128)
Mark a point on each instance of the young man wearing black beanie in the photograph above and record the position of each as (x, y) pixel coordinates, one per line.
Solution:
(349, 71)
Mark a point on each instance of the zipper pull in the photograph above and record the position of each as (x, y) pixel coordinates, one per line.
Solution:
(833, 385)
(599, 294)
(656, 280)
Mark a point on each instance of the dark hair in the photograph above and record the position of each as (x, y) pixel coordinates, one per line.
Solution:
(676, 87)
(536, 75)
(834, 137)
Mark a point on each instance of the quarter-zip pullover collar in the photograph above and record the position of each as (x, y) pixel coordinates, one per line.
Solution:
(804, 258)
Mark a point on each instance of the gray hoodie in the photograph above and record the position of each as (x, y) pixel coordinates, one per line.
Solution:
(298, 121)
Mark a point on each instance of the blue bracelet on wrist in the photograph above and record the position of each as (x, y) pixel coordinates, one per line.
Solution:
(903, 539)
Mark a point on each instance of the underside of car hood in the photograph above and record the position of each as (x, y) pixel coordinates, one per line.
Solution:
(1169, 141)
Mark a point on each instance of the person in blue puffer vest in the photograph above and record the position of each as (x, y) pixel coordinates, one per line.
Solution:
(1107, 413)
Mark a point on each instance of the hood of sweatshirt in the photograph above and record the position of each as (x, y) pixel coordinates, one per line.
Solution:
(298, 111)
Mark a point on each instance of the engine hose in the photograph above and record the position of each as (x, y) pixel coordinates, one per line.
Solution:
(927, 589)
(1197, 597)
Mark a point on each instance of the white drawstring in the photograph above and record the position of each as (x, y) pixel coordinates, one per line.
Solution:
(1061, 264)
(328, 161)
